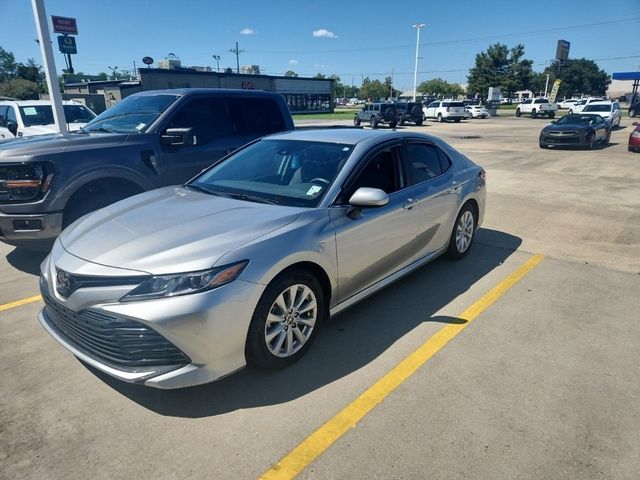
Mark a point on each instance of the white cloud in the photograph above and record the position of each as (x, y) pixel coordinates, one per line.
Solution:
(293, 61)
(320, 65)
(247, 31)
(324, 33)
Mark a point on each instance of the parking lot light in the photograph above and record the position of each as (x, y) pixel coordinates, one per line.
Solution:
(417, 26)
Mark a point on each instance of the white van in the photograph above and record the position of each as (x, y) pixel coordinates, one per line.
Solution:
(25, 118)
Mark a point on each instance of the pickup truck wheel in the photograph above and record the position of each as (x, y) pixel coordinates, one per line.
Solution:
(373, 122)
(533, 113)
(632, 112)
(518, 113)
(356, 121)
(552, 114)
(440, 119)
(419, 122)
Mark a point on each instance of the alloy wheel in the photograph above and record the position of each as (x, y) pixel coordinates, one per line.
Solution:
(464, 231)
(291, 320)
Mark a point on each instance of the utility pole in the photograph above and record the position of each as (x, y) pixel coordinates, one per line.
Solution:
(391, 85)
(546, 85)
(237, 53)
(42, 30)
(217, 59)
(417, 26)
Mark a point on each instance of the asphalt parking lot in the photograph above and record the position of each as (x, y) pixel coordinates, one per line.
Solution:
(539, 378)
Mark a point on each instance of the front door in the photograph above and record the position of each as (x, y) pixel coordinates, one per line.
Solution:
(381, 240)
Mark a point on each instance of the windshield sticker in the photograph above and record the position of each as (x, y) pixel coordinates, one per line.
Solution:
(313, 190)
(30, 111)
(140, 126)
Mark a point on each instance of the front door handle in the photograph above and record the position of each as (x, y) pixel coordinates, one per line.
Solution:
(410, 203)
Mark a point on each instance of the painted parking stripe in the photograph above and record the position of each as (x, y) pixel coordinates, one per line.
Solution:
(19, 303)
(320, 440)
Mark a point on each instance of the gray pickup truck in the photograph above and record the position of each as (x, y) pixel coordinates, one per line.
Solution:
(149, 140)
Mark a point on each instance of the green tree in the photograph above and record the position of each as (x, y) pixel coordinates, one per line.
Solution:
(8, 65)
(579, 76)
(290, 73)
(391, 92)
(440, 88)
(20, 88)
(373, 90)
(500, 67)
(320, 75)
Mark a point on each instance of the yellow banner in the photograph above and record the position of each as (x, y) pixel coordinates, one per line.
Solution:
(554, 91)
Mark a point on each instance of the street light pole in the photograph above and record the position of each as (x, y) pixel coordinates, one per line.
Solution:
(546, 85)
(217, 59)
(417, 26)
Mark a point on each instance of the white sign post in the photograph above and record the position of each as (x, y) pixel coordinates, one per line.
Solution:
(49, 65)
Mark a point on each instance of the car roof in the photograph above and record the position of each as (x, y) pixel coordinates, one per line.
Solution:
(601, 102)
(26, 103)
(179, 92)
(349, 135)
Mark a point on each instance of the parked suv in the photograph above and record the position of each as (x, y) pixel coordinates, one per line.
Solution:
(376, 113)
(445, 110)
(150, 139)
(409, 112)
(24, 118)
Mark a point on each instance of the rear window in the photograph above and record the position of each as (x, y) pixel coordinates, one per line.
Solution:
(597, 108)
(452, 104)
(541, 100)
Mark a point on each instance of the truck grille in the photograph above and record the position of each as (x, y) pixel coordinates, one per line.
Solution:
(115, 341)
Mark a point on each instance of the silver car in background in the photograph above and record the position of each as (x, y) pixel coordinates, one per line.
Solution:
(186, 284)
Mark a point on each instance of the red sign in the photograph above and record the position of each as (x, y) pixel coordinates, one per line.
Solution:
(64, 25)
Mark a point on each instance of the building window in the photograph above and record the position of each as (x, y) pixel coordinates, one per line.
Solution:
(301, 102)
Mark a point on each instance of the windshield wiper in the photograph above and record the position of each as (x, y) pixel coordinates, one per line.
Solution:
(199, 188)
(99, 129)
(250, 198)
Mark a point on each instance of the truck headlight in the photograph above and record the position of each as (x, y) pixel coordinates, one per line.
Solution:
(24, 181)
(160, 286)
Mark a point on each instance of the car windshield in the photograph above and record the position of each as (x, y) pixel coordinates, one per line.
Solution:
(576, 120)
(284, 172)
(43, 114)
(132, 115)
(597, 108)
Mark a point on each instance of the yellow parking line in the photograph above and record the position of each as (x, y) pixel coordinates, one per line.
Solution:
(19, 303)
(320, 440)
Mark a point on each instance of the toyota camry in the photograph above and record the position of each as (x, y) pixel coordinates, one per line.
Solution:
(186, 284)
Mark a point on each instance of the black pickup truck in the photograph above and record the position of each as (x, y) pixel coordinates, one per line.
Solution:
(149, 140)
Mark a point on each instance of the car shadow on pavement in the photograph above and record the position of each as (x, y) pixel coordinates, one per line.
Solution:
(345, 343)
(27, 261)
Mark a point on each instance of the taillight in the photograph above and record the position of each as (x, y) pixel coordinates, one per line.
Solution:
(482, 174)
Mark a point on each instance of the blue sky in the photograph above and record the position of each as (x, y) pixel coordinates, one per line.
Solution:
(353, 39)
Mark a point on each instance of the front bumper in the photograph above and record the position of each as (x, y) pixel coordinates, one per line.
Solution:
(564, 140)
(210, 328)
(24, 230)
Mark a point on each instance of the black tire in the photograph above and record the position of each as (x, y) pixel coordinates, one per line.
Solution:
(419, 122)
(393, 124)
(552, 114)
(570, 111)
(440, 119)
(389, 114)
(79, 207)
(453, 252)
(591, 141)
(534, 114)
(632, 112)
(457, 120)
(518, 113)
(607, 139)
(357, 121)
(256, 350)
(400, 120)
(373, 123)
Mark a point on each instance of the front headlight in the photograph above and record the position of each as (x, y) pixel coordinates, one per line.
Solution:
(160, 286)
(24, 181)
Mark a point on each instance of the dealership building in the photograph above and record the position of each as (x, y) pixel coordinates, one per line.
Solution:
(303, 95)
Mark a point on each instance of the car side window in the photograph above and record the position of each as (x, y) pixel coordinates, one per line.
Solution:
(433, 105)
(11, 115)
(3, 114)
(422, 161)
(207, 117)
(255, 116)
(381, 171)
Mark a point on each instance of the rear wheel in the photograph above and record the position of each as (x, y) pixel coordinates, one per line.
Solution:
(440, 119)
(373, 123)
(534, 114)
(518, 113)
(463, 233)
(607, 139)
(285, 320)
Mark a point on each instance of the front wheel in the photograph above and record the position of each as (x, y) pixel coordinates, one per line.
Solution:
(373, 123)
(591, 141)
(357, 121)
(400, 120)
(457, 120)
(632, 112)
(534, 114)
(440, 119)
(552, 114)
(463, 233)
(419, 122)
(518, 113)
(285, 320)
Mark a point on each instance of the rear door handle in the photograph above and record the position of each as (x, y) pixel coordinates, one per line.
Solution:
(410, 203)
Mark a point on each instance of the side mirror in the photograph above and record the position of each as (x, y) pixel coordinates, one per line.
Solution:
(178, 137)
(12, 127)
(369, 197)
(635, 124)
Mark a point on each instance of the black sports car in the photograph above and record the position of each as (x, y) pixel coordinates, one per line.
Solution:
(586, 130)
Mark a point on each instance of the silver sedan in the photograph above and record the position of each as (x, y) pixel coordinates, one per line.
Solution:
(186, 284)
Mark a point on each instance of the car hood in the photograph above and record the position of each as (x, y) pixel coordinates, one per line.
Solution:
(44, 129)
(171, 230)
(567, 128)
(38, 145)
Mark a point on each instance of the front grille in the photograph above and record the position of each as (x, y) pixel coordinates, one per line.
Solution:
(115, 341)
